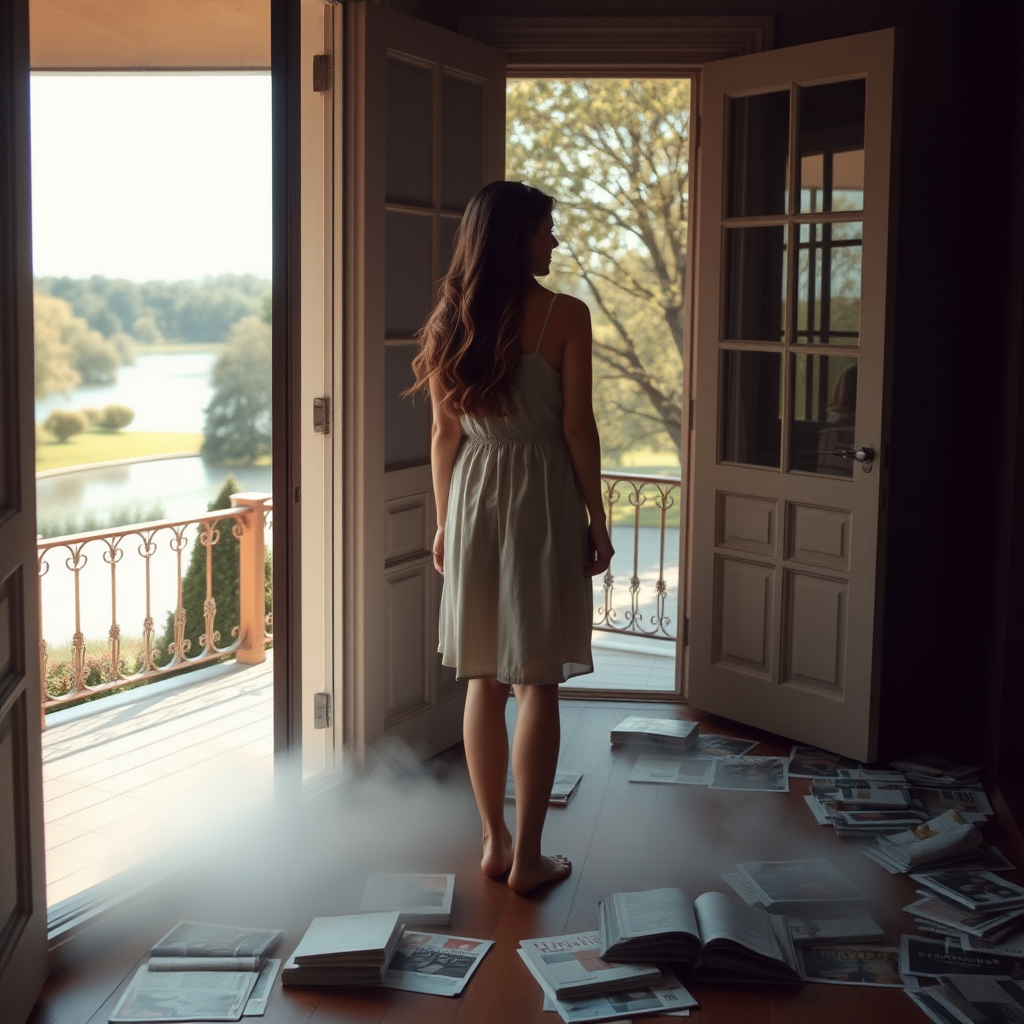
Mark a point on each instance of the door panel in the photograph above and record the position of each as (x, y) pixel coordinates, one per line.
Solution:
(425, 123)
(22, 855)
(792, 314)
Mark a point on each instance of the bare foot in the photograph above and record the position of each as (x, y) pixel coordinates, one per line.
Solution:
(523, 878)
(497, 858)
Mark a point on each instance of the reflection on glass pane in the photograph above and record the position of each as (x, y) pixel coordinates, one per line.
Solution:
(755, 284)
(462, 141)
(828, 284)
(449, 226)
(751, 408)
(824, 414)
(408, 130)
(406, 273)
(832, 147)
(758, 156)
(406, 419)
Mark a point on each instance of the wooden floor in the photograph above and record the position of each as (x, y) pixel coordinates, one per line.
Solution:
(282, 869)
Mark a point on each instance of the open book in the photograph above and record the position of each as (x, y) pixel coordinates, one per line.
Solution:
(722, 937)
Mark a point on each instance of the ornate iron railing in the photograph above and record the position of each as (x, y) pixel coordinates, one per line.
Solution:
(641, 505)
(249, 520)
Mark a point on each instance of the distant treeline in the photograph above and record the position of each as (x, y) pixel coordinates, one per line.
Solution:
(152, 311)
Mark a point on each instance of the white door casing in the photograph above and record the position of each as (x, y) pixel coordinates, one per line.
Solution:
(790, 365)
(425, 129)
(22, 852)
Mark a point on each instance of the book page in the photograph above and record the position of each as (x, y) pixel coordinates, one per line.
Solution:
(654, 911)
(725, 917)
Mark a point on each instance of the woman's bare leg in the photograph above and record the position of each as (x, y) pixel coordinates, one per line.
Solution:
(534, 760)
(485, 738)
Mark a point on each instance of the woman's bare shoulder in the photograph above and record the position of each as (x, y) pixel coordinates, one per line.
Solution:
(573, 313)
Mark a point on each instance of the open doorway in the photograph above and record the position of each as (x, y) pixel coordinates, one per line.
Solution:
(616, 155)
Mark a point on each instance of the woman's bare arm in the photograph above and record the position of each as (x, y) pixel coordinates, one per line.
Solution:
(445, 438)
(580, 427)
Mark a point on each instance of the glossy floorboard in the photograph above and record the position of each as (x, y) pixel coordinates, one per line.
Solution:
(310, 860)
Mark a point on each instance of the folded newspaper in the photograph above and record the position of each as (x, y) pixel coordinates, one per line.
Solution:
(944, 836)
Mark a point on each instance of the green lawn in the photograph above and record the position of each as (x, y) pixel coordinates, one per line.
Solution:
(102, 446)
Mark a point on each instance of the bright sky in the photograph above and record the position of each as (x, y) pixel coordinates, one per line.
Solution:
(150, 176)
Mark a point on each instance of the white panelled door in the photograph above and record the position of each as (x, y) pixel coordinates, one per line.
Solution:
(425, 127)
(791, 328)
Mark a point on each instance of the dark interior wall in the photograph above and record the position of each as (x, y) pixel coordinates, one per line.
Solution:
(952, 339)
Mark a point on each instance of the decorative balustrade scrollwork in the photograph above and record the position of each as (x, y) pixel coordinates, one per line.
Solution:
(647, 502)
(96, 664)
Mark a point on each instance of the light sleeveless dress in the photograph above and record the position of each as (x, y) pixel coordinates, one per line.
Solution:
(516, 605)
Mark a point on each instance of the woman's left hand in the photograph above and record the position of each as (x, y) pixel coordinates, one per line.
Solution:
(599, 550)
(439, 550)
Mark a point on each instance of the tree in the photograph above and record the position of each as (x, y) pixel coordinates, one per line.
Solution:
(54, 322)
(238, 418)
(95, 358)
(145, 330)
(65, 423)
(615, 156)
(115, 417)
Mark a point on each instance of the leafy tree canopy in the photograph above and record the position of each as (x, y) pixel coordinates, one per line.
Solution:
(238, 418)
(615, 155)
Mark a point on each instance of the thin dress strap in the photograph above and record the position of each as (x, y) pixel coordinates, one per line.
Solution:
(544, 326)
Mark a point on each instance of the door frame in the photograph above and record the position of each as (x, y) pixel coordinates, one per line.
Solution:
(640, 47)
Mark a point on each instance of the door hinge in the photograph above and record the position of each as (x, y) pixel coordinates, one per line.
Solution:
(321, 415)
(692, 404)
(686, 632)
(323, 711)
(323, 72)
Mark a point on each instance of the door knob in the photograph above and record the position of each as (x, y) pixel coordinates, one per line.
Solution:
(865, 455)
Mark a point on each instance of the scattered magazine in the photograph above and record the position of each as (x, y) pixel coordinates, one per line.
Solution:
(722, 938)
(184, 996)
(439, 965)
(851, 965)
(663, 997)
(964, 801)
(881, 795)
(977, 890)
(834, 929)
(815, 763)
(980, 1000)
(944, 836)
(571, 965)
(763, 774)
(711, 745)
(353, 949)
(799, 887)
(195, 939)
(671, 768)
(1008, 945)
(934, 958)
(419, 899)
(669, 732)
(565, 785)
(929, 770)
(926, 1002)
(955, 919)
(257, 1002)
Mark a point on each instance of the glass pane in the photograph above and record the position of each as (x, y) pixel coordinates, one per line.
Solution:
(755, 284)
(448, 228)
(462, 141)
(828, 284)
(406, 420)
(832, 147)
(408, 133)
(751, 405)
(407, 281)
(824, 413)
(758, 156)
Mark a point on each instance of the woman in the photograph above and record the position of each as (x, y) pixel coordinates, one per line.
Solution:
(516, 464)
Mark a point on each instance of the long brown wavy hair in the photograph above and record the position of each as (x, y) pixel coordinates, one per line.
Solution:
(470, 342)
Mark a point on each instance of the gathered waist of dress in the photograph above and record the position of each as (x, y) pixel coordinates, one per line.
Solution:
(508, 440)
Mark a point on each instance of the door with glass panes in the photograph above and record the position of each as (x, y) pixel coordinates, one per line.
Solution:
(425, 121)
(792, 326)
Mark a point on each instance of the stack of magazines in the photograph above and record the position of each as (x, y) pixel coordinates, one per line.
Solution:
(940, 838)
(930, 770)
(859, 808)
(978, 908)
(663, 732)
(354, 949)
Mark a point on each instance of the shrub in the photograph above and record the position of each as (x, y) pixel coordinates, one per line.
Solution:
(64, 423)
(92, 416)
(116, 417)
